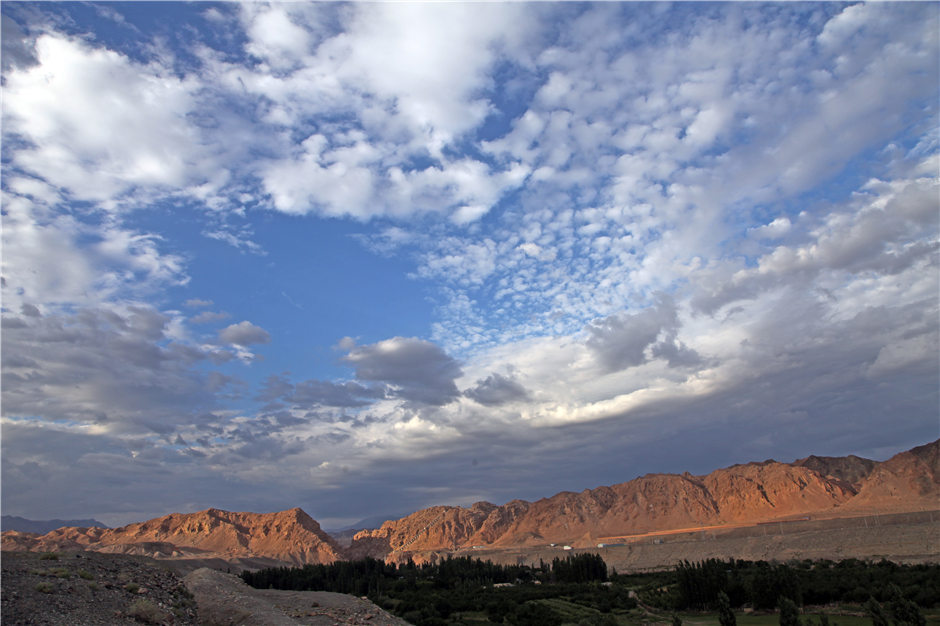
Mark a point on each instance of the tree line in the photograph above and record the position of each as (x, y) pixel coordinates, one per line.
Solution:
(759, 584)
(579, 590)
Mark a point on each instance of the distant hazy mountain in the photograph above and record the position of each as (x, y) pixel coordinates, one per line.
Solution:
(344, 536)
(11, 522)
(369, 523)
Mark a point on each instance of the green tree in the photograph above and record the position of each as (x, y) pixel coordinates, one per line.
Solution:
(771, 582)
(725, 614)
(877, 614)
(676, 620)
(905, 612)
(789, 613)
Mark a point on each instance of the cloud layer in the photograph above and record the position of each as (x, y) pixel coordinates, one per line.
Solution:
(655, 238)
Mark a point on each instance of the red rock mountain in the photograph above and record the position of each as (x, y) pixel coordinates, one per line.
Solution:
(290, 536)
(655, 502)
(908, 481)
(741, 494)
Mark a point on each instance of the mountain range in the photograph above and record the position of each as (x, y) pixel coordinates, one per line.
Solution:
(739, 495)
(12, 522)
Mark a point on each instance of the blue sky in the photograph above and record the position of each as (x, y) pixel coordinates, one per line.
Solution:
(366, 258)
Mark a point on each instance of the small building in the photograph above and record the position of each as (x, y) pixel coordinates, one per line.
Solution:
(566, 548)
(602, 545)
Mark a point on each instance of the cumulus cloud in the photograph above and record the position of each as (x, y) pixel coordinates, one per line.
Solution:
(89, 115)
(621, 341)
(327, 393)
(115, 368)
(244, 334)
(497, 390)
(417, 370)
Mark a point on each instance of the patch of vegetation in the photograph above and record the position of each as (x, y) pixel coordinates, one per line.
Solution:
(49, 556)
(61, 572)
(186, 600)
(760, 585)
(93, 586)
(44, 587)
(39, 572)
(85, 574)
(464, 591)
(145, 611)
(132, 587)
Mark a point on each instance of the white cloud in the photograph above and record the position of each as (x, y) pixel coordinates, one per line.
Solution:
(100, 125)
(244, 334)
(52, 257)
(420, 370)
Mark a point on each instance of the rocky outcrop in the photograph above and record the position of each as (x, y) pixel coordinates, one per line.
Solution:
(851, 469)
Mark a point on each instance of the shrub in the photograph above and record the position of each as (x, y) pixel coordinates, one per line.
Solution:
(61, 572)
(86, 575)
(44, 587)
(132, 587)
(49, 556)
(143, 610)
(93, 586)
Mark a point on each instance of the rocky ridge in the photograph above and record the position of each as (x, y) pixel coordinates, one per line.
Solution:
(738, 495)
(741, 494)
(288, 537)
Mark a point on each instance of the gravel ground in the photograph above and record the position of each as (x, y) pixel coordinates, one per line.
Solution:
(90, 589)
(225, 600)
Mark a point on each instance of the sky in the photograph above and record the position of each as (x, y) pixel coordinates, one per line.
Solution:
(373, 257)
